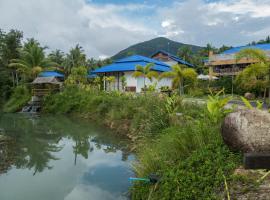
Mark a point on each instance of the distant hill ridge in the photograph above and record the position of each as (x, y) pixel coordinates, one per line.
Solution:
(149, 47)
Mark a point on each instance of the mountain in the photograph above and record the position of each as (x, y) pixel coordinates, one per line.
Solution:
(148, 48)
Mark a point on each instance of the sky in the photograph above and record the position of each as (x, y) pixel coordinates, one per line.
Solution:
(104, 27)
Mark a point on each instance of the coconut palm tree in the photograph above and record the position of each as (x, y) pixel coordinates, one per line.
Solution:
(32, 60)
(178, 74)
(256, 75)
(145, 72)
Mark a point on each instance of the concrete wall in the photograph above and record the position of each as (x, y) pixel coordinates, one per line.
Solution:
(139, 82)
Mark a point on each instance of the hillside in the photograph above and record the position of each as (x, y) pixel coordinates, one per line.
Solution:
(147, 48)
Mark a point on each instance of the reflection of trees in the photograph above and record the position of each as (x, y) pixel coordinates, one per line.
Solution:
(34, 146)
(82, 147)
(37, 139)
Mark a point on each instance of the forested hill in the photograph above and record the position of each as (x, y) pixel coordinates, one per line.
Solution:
(147, 48)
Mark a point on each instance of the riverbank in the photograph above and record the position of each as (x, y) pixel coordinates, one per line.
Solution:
(180, 142)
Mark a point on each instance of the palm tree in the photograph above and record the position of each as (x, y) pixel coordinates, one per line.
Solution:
(75, 58)
(32, 60)
(179, 73)
(256, 75)
(145, 72)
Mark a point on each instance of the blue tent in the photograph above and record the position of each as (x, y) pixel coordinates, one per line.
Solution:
(130, 63)
(51, 74)
(264, 47)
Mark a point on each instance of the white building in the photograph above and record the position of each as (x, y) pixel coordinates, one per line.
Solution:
(126, 67)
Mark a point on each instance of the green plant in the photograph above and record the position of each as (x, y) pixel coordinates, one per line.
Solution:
(259, 104)
(145, 72)
(18, 99)
(216, 105)
(179, 73)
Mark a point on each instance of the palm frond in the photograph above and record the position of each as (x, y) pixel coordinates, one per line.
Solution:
(137, 74)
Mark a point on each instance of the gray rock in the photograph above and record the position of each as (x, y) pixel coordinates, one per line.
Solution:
(247, 131)
(249, 96)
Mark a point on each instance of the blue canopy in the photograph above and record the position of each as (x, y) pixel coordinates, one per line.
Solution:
(51, 74)
(130, 63)
(264, 47)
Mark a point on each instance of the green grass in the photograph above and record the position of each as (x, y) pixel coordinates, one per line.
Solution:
(18, 99)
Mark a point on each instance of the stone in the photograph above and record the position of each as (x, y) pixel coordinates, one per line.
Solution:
(249, 96)
(247, 131)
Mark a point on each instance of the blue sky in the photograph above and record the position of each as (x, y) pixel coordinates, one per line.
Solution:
(104, 27)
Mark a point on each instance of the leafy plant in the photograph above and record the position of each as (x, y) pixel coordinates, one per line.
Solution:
(178, 74)
(216, 105)
(145, 72)
(259, 104)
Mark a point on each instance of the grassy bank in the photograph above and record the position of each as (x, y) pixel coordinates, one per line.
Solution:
(20, 96)
(178, 141)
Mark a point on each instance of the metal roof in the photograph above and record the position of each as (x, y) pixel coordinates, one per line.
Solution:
(43, 80)
(264, 47)
(130, 63)
(51, 74)
(173, 57)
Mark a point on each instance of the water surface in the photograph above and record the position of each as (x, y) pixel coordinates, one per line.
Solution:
(55, 157)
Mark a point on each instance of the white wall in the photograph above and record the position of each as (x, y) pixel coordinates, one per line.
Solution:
(135, 82)
(131, 81)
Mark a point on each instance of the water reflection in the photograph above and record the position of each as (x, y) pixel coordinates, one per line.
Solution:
(64, 158)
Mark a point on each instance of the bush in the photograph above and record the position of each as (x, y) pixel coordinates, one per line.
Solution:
(145, 114)
(18, 99)
(191, 159)
(199, 176)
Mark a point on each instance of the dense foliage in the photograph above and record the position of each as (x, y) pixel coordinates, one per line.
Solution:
(18, 99)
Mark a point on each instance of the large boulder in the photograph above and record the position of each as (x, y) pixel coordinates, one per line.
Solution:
(247, 131)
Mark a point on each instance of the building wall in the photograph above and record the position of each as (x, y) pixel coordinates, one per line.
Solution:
(138, 83)
(165, 59)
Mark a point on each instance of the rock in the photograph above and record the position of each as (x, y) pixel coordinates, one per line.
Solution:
(247, 131)
(249, 96)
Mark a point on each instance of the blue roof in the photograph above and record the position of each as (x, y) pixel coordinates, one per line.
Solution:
(51, 74)
(174, 57)
(264, 47)
(130, 63)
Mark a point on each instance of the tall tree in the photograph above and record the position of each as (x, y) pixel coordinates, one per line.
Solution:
(256, 75)
(9, 44)
(57, 56)
(32, 60)
(178, 74)
(75, 58)
(185, 53)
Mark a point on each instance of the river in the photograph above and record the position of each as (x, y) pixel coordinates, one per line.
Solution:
(57, 157)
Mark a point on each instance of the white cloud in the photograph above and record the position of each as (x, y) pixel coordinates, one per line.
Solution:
(254, 8)
(105, 29)
(100, 29)
(222, 22)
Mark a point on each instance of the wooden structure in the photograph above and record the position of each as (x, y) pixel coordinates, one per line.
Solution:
(225, 64)
(45, 85)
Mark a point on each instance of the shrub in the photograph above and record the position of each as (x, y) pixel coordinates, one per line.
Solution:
(18, 99)
(199, 176)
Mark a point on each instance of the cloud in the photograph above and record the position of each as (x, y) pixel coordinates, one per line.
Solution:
(102, 30)
(222, 22)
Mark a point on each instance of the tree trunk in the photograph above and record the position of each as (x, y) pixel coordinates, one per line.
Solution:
(181, 87)
(264, 94)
